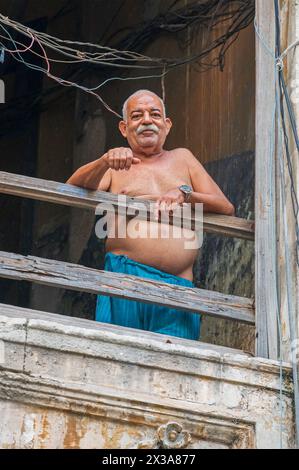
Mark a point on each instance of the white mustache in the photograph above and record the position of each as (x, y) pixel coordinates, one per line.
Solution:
(149, 127)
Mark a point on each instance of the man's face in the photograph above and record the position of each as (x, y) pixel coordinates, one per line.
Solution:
(146, 127)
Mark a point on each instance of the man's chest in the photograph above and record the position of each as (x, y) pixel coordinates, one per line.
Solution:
(149, 179)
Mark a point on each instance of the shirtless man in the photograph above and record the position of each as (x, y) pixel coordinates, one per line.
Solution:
(146, 170)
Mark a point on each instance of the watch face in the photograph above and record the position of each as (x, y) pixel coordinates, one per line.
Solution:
(185, 187)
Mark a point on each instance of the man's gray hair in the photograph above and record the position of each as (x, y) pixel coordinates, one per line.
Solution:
(139, 92)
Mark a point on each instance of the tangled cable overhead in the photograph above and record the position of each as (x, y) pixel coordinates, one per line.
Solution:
(103, 55)
(125, 56)
(208, 15)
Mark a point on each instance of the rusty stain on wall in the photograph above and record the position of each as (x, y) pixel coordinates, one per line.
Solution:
(76, 427)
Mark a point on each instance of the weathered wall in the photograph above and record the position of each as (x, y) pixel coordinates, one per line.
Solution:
(88, 385)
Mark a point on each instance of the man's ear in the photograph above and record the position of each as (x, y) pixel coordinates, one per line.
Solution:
(123, 128)
(168, 125)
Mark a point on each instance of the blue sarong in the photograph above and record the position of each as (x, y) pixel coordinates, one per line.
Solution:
(143, 316)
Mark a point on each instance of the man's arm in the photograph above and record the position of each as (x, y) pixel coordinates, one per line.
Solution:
(205, 189)
(97, 174)
(93, 175)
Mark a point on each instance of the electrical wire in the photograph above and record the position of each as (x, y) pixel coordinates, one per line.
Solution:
(288, 49)
(95, 55)
(199, 13)
(61, 81)
(108, 56)
(49, 60)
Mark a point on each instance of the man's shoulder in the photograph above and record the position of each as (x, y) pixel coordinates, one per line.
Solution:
(183, 152)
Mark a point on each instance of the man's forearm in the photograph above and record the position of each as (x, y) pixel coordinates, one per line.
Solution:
(213, 203)
(90, 175)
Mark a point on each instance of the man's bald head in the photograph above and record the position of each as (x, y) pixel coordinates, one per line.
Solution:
(137, 93)
(144, 124)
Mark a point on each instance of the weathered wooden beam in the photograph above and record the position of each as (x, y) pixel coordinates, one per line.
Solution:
(80, 278)
(265, 191)
(60, 193)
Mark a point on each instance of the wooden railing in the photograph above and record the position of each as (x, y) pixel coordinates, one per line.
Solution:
(80, 278)
(66, 194)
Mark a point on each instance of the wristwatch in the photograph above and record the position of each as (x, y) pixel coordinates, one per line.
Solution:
(187, 190)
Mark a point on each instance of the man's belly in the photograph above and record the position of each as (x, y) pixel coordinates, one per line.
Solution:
(162, 246)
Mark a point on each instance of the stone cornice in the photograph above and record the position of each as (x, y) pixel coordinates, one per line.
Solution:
(145, 349)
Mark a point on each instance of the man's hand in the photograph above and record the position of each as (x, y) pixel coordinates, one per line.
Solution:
(120, 158)
(170, 201)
